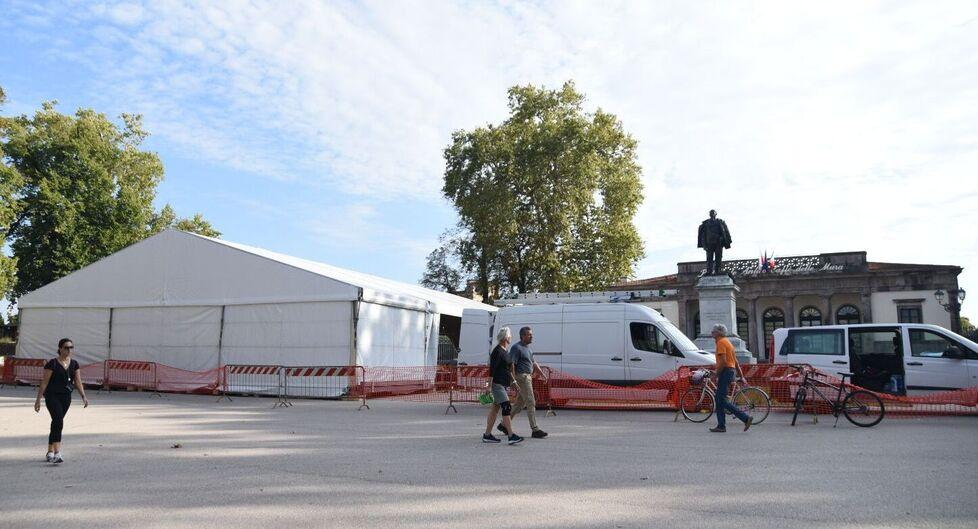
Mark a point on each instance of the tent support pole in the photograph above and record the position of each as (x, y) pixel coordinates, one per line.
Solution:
(220, 339)
(354, 321)
(108, 356)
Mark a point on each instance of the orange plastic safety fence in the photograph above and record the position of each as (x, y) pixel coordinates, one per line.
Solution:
(781, 383)
(569, 391)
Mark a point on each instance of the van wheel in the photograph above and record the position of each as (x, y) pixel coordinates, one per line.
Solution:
(697, 404)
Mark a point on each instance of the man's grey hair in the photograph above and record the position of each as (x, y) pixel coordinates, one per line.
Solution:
(524, 330)
(720, 328)
(504, 334)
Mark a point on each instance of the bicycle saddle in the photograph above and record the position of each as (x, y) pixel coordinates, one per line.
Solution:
(850, 375)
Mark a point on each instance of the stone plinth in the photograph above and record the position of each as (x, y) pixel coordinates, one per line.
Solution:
(718, 304)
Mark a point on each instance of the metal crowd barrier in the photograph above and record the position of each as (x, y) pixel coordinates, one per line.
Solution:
(285, 382)
(324, 382)
(470, 381)
(254, 380)
(24, 370)
(131, 374)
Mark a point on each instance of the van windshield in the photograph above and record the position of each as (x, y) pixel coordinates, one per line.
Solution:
(679, 339)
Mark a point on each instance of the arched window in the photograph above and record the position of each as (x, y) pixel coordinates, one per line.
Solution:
(810, 317)
(743, 325)
(847, 315)
(773, 319)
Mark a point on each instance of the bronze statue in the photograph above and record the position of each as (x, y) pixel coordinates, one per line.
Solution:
(714, 237)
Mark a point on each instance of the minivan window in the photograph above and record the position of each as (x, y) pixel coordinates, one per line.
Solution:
(875, 342)
(645, 337)
(679, 340)
(814, 342)
(929, 344)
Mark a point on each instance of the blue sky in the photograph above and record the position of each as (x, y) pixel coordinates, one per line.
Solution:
(316, 129)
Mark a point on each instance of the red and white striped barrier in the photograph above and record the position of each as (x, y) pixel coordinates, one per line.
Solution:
(324, 382)
(253, 380)
(130, 374)
(336, 371)
(25, 370)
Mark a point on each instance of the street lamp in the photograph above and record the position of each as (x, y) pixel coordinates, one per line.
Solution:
(955, 298)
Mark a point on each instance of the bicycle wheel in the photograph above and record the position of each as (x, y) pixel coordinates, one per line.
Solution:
(697, 404)
(863, 408)
(754, 402)
(799, 404)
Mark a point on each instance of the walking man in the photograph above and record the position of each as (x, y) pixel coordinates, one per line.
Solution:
(727, 367)
(525, 366)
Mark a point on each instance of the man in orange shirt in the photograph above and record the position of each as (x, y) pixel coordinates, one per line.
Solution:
(727, 367)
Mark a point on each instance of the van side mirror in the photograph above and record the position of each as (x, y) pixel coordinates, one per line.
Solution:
(953, 352)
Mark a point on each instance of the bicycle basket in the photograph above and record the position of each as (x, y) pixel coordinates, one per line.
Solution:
(699, 376)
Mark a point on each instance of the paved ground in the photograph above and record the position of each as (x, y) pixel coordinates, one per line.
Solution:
(323, 464)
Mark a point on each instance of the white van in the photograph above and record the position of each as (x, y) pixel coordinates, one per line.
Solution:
(614, 343)
(893, 357)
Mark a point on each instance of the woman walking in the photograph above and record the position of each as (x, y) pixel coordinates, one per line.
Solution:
(61, 376)
(501, 378)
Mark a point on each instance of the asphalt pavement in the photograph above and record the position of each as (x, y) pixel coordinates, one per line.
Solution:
(182, 461)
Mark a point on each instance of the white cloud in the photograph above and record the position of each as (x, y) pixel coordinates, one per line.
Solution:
(812, 127)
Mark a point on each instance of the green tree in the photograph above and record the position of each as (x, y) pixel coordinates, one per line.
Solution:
(546, 198)
(440, 273)
(968, 330)
(83, 189)
(167, 218)
(10, 182)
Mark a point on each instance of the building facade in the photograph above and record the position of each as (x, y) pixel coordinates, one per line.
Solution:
(824, 289)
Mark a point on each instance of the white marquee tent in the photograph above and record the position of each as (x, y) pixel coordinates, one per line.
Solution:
(195, 303)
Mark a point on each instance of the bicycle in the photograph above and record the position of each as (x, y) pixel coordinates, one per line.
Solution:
(698, 403)
(860, 407)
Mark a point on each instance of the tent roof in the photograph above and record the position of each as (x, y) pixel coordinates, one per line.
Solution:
(176, 268)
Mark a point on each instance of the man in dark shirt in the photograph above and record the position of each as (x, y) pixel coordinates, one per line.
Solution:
(501, 378)
(522, 357)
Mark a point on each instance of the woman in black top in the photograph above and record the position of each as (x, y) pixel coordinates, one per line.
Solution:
(61, 376)
(501, 378)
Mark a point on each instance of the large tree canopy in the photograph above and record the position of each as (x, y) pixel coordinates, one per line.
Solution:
(546, 198)
(10, 182)
(76, 189)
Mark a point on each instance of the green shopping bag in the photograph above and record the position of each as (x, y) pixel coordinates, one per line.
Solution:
(485, 398)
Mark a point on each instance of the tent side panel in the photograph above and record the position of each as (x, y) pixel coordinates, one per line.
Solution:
(40, 330)
(181, 337)
(434, 322)
(389, 336)
(289, 334)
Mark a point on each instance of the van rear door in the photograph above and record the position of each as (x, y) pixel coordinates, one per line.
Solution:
(475, 338)
(936, 361)
(824, 349)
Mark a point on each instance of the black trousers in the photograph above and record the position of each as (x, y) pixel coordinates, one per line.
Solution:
(714, 260)
(57, 404)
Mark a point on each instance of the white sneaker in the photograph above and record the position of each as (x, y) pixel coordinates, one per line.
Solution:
(50, 457)
(57, 458)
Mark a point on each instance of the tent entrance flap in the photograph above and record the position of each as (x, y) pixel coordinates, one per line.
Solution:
(391, 336)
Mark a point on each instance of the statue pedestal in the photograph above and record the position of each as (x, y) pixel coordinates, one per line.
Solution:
(718, 304)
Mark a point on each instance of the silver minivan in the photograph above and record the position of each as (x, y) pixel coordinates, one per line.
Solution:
(887, 357)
